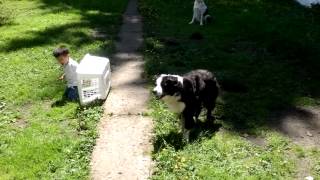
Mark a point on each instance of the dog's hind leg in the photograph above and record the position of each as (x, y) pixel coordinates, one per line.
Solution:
(210, 117)
(189, 123)
(211, 94)
(209, 104)
(201, 20)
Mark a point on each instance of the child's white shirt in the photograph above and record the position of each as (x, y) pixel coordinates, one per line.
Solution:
(70, 74)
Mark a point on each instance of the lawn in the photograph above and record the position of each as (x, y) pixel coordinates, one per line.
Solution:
(38, 141)
(265, 54)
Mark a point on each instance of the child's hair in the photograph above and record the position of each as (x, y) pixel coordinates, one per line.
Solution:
(62, 50)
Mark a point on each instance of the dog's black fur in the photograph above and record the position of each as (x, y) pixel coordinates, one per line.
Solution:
(196, 89)
(200, 89)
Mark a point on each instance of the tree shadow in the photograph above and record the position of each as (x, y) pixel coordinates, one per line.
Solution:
(204, 130)
(49, 36)
(104, 19)
(94, 14)
(172, 139)
(112, 6)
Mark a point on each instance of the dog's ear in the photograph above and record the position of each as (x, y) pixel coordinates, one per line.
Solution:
(172, 80)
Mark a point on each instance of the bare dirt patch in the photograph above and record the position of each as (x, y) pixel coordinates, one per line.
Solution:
(21, 123)
(304, 168)
(301, 124)
(256, 140)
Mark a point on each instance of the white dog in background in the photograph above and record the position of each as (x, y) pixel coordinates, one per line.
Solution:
(200, 12)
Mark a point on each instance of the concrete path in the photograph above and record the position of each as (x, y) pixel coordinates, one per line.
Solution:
(124, 147)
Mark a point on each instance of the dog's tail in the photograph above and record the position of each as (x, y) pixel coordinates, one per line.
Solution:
(208, 18)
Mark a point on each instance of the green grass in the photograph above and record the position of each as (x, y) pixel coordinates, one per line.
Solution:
(38, 141)
(266, 50)
(221, 155)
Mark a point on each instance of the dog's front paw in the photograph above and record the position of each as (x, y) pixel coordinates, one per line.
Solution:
(186, 136)
(201, 24)
(191, 22)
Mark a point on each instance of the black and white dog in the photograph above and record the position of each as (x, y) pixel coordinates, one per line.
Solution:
(187, 94)
(200, 12)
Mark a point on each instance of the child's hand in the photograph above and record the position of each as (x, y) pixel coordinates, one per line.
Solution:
(61, 77)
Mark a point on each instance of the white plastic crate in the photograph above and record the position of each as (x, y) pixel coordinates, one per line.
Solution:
(94, 78)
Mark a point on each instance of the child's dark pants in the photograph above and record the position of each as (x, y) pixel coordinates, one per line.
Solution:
(71, 94)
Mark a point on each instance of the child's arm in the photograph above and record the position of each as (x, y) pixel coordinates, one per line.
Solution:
(61, 77)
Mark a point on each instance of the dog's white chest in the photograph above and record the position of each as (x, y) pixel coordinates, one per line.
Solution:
(174, 104)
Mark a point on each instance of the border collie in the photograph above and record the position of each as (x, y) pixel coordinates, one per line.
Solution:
(200, 12)
(187, 94)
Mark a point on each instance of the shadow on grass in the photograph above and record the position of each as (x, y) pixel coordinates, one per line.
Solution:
(204, 130)
(94, 14)
(50, 35)
(103, 18)
(175, 139)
